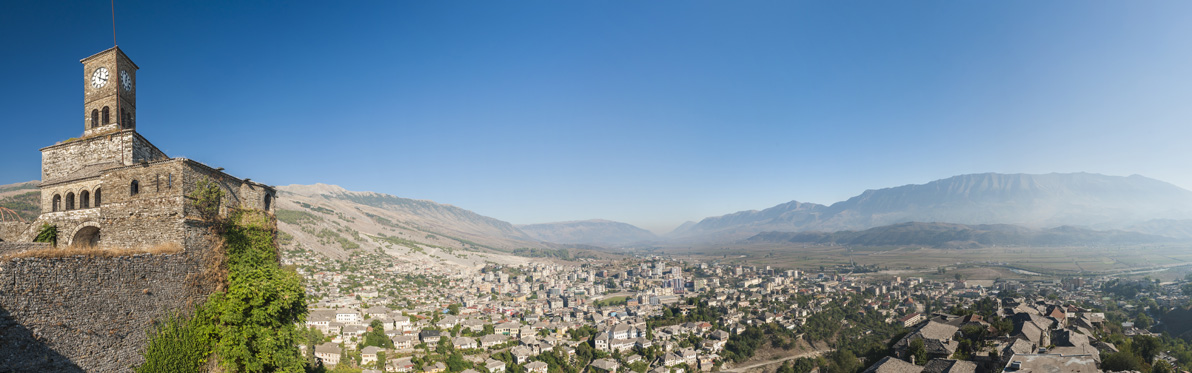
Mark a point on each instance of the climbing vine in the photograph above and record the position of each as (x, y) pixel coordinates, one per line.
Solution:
(251, 327)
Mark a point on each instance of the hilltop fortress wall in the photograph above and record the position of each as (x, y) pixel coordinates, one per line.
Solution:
(95, 313)
(89, 305)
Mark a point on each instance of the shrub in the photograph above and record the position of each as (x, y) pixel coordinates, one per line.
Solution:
(48, 233)
(252, 325)
(206, 199)
(180, 344)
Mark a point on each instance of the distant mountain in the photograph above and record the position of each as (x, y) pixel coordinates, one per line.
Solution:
(409, 215)
(1035, 201)
(589, 232)
(945, 235)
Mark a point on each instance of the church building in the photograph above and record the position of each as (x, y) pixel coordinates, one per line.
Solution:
(112, 188)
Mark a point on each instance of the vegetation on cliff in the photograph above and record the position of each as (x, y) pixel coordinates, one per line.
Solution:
(251, 326)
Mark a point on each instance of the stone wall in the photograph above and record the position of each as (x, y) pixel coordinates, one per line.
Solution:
(62, 191)
(12, 231)
(16, 247)
(63, 161)
(89, 313)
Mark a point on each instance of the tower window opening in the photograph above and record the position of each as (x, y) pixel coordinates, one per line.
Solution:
(70, 198)
(134, 188)
(268, 201)
(94, 118)
(97, 200)
(84, 200)
(57, 204)
(105, 115)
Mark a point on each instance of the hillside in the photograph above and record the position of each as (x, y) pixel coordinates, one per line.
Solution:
(1035, 201)
(330, 220)
(589, 232)
(944, 235)
(22, 198)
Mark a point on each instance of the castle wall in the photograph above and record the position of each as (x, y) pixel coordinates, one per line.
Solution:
(91, 313)
(12, 231)
(117, 149)
(237, 193)
(143, 150)
(68, 222)
(90, 185)
(59, 161)
(155, 215)
(16, 247)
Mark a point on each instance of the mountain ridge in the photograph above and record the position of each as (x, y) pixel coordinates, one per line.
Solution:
(598, 232)
(1033, 200)
(960, 236)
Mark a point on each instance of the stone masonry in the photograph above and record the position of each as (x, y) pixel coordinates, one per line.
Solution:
(109, 189)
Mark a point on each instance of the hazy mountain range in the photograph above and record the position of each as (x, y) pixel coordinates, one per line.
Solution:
(961, 211)
(946, 235)
(589, 232)
(1035, 201)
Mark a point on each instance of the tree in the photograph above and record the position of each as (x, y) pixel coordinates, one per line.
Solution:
(313, 338)
(453, 308)
(1162, 366)
(1121, 361)
(456, 363)
(375, 336)
(1143, 321)
(444, 347)
(918, 350)
(1147, 347)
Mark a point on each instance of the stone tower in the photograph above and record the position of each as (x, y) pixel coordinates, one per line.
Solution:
(111, 187)
(109, 92)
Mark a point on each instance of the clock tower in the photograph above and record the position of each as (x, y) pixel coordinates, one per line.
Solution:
(109, 92)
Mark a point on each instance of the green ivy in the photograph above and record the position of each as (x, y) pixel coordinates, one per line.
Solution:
(48, 233)
(252, 327)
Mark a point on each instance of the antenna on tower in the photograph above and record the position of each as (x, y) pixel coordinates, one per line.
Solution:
(114, 22)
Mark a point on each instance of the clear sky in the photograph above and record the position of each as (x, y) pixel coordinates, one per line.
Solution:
(647, 112)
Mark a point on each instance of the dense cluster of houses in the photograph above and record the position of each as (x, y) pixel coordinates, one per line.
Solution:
(529, 309)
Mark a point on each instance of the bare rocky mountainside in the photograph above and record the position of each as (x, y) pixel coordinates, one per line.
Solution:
(1091, 201)
(332, 221)
(590, 232)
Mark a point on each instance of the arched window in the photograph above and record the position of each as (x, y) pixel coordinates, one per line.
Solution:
(105, 115)
(134, 188)
(268, 201)
(94, 118)
(97, 200)
(84, 200)
(69, 201)
(57, 205)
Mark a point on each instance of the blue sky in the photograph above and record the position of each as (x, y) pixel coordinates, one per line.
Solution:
(647, 112)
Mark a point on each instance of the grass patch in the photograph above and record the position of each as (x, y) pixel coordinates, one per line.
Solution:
(163, 249)
(319, 209)
(614, 301)
(296, 217)
(327, 237)
(412, 245)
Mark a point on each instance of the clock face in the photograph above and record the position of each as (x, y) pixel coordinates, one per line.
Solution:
(99, 78)
(125, 81)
